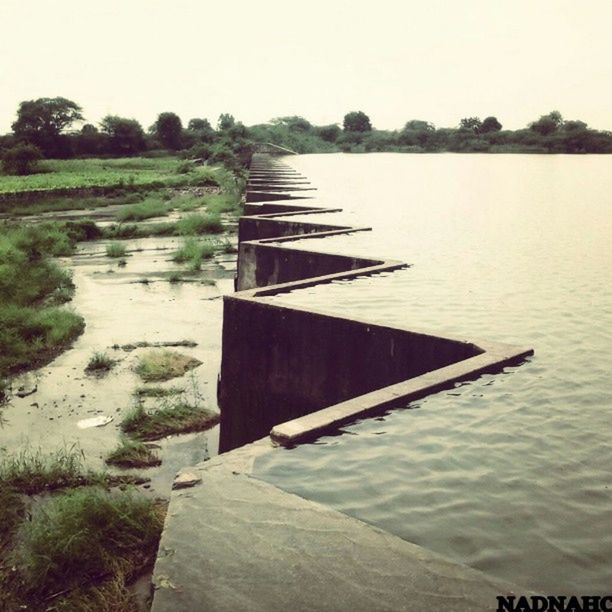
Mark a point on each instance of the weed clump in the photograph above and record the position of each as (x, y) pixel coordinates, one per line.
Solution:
(194, 252)
(82, 540)
(134, 454)
(115, 249)
(151, 207)
(198, 223)
(156, 366)
(169, 419)
(100, 363)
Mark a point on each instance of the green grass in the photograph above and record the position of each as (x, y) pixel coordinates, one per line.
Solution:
(134, 454)
(115, 249)
(194, 252)
(171, 418)
(199, 223)
(157, 391)
(160, 365)
(125, 173)
(31, 336)
(80, 550)
(61, 203)
(100, 363)
(31, 471)
(151, 207)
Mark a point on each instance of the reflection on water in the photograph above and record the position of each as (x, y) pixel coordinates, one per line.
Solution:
(510, 473)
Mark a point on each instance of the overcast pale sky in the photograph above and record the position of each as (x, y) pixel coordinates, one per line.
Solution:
(396, 60)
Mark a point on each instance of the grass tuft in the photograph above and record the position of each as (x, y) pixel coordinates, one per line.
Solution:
(194, 252)
(100, 363)
(115, 249)
(82, 539)
(175, 418)
(198, 223)
(156, 366)
(151, 207)
(134, 454)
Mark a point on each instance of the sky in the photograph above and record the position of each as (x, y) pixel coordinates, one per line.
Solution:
(395, 60)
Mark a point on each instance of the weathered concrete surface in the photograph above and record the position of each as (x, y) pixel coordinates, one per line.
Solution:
(234, 543)
(285, 362)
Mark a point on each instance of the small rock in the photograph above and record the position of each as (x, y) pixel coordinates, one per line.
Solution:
(26, 387)
(185, 479)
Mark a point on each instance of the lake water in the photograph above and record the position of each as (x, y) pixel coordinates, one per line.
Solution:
(511, 473)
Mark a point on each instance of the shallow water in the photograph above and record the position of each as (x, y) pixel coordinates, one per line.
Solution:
(510, 473)
(118, 310)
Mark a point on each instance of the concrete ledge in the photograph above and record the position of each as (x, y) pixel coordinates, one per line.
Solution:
(234, 543)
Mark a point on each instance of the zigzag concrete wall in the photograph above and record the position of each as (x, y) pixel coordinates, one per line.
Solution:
(294, 372)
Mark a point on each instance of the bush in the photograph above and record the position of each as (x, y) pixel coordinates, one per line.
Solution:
(21, 160)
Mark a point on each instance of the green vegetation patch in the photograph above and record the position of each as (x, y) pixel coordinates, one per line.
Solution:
(199, 223)
(180, 417)
(100, 363)
(157, 391)
(194, 252)
(80, 549)
(123, 173)
(115, 250)
(31, 471)
(155, 366)
(153, 206)
(133, 454)
(32, 327)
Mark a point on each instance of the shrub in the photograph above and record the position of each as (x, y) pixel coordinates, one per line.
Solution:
(21, 160)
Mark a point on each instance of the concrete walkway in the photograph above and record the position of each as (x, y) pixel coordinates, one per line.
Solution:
(234, 543)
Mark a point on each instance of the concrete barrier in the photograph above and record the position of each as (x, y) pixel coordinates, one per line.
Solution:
(294, 372)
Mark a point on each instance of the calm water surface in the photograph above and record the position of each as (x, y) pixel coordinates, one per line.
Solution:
(511, 473)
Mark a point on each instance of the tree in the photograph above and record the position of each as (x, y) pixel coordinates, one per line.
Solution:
(21, 159)
(490, 124)
(168, 129)
(294, 123)
(199, 125)
(356, 121)
(225, 122)
(126, 136)
(418, 125)
(547, 124)
(329, 133)
(42, 121)
(472, 124)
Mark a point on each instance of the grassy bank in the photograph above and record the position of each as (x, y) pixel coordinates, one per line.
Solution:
(33, 325)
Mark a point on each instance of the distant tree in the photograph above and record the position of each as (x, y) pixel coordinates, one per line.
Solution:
(90, 141)
(168, 129)
(574, 125)
(490, 124)
(417, 133)
(418, 125)
(21, 159)
(225, 122)
(356, 121)
(547, 124)
(294, 123)
(199, 125)
(42, 121)
(472, 124)
(125, 136)
(329, 133)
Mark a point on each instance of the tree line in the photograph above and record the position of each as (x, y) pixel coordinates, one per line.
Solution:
(46, 128)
